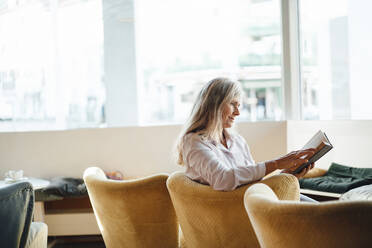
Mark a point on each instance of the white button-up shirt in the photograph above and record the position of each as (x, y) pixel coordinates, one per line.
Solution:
(222, 168)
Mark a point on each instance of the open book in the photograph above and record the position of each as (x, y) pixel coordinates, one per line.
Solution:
(321, 144)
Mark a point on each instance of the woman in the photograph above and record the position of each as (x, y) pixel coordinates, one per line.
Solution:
(213, 154)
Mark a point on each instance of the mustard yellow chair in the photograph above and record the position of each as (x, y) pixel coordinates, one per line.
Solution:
(132, 213)
(292, 224)
(315, 172)
(210, 218)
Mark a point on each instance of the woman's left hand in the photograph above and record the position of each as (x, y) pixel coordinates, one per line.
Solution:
(302, 173)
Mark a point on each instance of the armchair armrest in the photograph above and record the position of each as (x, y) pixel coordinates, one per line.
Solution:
(315, 172)
(285, 186)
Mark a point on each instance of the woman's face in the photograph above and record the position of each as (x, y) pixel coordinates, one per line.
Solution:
(230, 111)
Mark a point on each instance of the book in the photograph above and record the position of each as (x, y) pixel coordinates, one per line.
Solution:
(321, 144)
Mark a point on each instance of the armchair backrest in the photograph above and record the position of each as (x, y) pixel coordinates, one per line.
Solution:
(293, 224)
(210, 218)
(132, 213)
(16, 209)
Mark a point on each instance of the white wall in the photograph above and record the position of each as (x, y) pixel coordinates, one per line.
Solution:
(267, 140)
(136, 151)
(352, 140)
(132, 150)
(139, 151)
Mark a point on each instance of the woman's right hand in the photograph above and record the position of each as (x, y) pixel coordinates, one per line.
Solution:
(294, 159)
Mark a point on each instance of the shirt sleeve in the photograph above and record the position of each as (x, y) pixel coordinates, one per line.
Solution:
(207, 166)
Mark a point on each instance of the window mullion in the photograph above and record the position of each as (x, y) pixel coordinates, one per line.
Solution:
(291, 59)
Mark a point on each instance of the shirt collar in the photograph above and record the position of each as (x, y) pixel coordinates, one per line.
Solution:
(228, 138)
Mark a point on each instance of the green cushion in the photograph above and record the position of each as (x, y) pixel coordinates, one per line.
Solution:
(339, 179)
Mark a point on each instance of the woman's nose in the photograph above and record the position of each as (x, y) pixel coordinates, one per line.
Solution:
(236, 111)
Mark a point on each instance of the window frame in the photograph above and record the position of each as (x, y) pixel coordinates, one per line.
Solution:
(291, 68)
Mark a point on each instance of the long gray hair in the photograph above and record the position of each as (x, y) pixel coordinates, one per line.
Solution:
(206, 114)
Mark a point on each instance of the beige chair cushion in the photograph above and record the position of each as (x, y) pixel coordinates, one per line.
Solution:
(315, 172)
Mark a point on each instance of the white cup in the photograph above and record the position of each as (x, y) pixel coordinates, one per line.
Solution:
(14, 174)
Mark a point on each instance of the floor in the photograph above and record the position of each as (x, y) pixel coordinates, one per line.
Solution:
(92, 241)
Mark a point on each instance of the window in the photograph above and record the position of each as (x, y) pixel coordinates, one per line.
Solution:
(335, 59)
(158, 54)
(182, 49)
(51, 64)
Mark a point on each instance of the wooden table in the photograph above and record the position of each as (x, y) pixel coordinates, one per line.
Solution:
(320, 195)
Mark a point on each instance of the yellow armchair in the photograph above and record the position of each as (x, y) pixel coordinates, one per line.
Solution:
(280, 224)
(210, 218)
(132, 213)
(315, 172)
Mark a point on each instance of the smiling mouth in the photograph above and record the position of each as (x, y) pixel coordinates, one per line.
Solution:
(231, 119)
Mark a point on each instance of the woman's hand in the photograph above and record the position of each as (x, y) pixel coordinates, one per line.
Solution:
(294, 159)
(302, 173)
(290, 161)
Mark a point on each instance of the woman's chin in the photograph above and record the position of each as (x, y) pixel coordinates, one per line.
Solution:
(228, 125)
